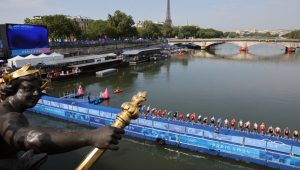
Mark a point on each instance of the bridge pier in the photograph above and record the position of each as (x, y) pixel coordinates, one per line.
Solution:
(203, 47)
(290, 49)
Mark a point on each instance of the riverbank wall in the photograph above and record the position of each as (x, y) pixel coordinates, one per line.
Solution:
(276, 153)
(102, 48)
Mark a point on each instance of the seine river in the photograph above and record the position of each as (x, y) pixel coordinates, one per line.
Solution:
(260, 86)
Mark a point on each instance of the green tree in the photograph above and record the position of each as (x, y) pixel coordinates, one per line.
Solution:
(175, 31)
(180, 36)
(232, 35)
(123, 24)
(167, 30)
(189, 31)
(151, 30)
(99, 28)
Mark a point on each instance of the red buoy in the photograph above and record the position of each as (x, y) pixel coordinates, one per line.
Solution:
(240, 48)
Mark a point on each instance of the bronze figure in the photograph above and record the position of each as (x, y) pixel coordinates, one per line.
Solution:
(20, 90)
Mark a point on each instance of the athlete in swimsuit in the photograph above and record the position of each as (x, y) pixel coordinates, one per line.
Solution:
(164, 114)
(158, 113)
(193, 118)
(219, 122)
(277, 132)
(212, 121)
(286, 133)
(143, 110)
(153, 112)
(187, 118)
(295, 135)
(225, 124)
(175, 115)
(148, 110)
(255, 126)
(262, 129)
(199, 119)
(247, 126)
(240, 125)
(270, 130)
(169, 115)
(205, 121)
(181, 118)
(232, 124)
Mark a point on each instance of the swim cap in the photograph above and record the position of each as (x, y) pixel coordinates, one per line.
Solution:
(241, 120)
(249, 121)
(255, 123)
(262, 123)
(270, 126)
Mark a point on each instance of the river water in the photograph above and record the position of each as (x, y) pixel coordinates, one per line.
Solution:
(260, 86)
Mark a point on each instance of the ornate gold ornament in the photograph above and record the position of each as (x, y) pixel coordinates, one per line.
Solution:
(8, 77)
(130, 110)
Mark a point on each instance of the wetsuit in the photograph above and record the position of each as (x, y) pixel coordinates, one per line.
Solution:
(287, 132)
(181, 116)
(277, 130)
(296, 134)
(262, 128)
(169, 114)
(212, 120)
(233, 123)
(219, 121)
(205, 120)
(164, 113)
(158, 113)
(193, 116)
(270, 130)
(255, 126)
(226, 122)
(175, 114)
(143, 109)
(199, 118)
(247, 125)
(148, 109)
(188, 116)
(240, 124)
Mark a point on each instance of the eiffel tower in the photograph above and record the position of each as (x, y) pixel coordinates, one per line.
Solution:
(168, 18)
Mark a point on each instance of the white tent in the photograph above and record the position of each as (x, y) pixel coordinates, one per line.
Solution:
(21, 62)
(56, 56)
(45, 57)
(34, 60)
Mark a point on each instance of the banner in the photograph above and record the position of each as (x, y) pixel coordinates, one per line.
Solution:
(256, 143)
(105, 114)
(145, 122)
(54, 104)
(63, 106)
(296, 150)
(134, 121)
(279, 147)
(160, 125)
(40, 101)
(46, 102)
(160, 134)
(176, 128)
(95, 120)
(83, 110)
(113, 116)
(192, 131)
(78, 116)
(94, 112)
(75, 108)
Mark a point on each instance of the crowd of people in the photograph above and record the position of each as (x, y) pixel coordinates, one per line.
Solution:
(226, 124)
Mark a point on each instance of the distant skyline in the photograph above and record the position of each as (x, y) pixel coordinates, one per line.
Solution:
(217, 14)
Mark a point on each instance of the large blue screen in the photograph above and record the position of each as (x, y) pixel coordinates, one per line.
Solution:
(27, 36)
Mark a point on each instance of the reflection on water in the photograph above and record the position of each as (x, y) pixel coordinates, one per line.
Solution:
(260, 86)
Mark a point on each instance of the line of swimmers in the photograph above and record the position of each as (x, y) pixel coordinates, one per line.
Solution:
(219, 123)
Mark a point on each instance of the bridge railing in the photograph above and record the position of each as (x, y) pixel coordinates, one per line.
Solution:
(101, 42)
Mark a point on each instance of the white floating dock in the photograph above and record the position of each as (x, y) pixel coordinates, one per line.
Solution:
(107, 71)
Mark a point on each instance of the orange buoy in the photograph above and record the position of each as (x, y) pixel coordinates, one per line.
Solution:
(117, 70)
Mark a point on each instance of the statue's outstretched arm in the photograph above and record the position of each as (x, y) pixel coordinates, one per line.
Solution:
(15, 129)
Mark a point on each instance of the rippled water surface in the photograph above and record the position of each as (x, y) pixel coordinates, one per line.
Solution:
(261, 86)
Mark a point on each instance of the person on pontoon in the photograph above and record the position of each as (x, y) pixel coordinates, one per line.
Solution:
(277, 132)
(217, 129)
(205, 121)
(193, 118)
(169, 115)
(286, 133)
(88, 97)
(270, 130)
(164, 114)
(247, 126)
(181, 118)
(212, 121)
(295, 135)
(225, 124)
(187, 118)
(175, 115)
(152, 112)
(255, 126)
(232, 124)
(262, 129)
(143, 110)
(199, 119)
(158, 113)
(148, 110)
(219, 122)
(240, 125)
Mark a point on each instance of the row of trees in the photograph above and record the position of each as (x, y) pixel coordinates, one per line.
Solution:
(59, 27)
(293, 35)
(192, 31)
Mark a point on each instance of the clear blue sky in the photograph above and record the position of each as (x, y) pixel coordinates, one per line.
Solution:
(217, 14)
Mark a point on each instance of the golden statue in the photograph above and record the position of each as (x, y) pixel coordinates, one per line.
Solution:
(130, 110)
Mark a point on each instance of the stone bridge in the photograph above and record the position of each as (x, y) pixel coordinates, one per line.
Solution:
(290, 44)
